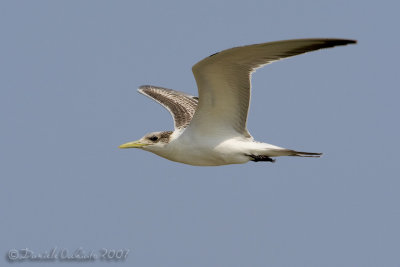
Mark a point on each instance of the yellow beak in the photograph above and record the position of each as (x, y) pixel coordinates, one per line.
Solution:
(134, 144)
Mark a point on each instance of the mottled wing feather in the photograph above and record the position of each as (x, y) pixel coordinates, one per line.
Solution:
(223, 81)
(181, 106)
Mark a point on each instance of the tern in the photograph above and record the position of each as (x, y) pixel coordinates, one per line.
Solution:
(210, 129)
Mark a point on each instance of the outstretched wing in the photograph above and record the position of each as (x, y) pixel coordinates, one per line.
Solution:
(223, 81)
(181, 106)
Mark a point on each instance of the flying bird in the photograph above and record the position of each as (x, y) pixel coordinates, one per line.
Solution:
(210, 129)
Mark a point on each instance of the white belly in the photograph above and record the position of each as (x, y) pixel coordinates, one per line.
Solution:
(206, 153)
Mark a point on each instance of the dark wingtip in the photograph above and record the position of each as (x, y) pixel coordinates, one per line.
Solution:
(347, 41)
(213, 54)
(341, 41)
(144, 87)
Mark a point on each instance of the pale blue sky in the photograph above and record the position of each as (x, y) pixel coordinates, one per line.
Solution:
(69, 72)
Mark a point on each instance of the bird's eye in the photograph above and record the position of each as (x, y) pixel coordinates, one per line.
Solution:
(153, 138)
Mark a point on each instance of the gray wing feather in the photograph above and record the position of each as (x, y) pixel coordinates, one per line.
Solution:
(181, 106)
(223, 80)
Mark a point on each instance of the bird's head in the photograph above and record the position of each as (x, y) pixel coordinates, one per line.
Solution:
(150, 142)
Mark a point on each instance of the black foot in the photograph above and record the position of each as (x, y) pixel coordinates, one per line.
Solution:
(260, 158)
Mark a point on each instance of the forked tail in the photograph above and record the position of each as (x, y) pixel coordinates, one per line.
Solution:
(304, 154)
(282, 152)
(277, 152)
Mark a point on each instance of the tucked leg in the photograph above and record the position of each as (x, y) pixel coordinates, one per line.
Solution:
(257, 158)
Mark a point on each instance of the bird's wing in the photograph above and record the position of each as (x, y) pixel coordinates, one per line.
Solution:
(181, 106)
(223, 81)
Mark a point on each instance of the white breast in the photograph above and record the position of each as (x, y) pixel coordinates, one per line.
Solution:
(202, 151)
